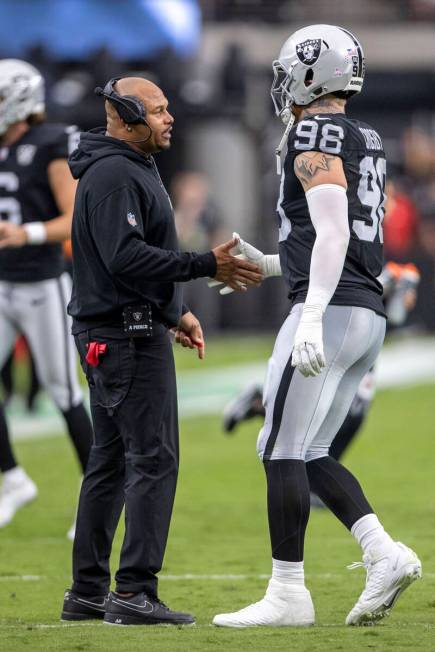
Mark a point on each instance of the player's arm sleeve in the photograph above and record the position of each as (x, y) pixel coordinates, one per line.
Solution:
(328, 209)
(125, 253)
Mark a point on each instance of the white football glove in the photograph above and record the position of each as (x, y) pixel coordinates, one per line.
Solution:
(308, 354)
(268, 264)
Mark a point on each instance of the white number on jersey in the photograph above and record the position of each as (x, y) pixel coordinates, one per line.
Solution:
(371, 194)
(9, 206)
(307, 134)
(331, 137)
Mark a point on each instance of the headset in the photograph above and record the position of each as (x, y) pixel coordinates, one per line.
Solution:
(130, 108)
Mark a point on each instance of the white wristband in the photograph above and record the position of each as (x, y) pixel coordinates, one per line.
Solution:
(272, 265)
(36, 233)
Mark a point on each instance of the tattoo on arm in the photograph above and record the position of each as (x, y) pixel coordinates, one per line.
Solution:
(309, 164)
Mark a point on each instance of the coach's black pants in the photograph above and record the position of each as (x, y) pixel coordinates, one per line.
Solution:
(133, 462)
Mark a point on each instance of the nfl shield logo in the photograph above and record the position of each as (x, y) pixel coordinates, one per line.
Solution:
(308, 52)
(131, 219)
(25, 154)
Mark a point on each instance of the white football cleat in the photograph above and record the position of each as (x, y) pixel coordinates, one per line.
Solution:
(17, 490)
(282, 606)
(388, 575)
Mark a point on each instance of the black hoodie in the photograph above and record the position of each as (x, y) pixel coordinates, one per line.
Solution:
(124, 242)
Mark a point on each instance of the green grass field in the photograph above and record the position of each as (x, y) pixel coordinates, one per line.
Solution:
(219, 529)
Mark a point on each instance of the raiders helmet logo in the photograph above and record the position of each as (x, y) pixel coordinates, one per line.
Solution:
(137, 316)
(308, 52)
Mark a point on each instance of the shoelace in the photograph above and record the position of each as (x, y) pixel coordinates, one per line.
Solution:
(161, 604)
(375, 576)
(357, 564)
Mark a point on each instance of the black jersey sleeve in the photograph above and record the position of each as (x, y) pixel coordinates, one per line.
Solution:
(317, 134)
(62, 141)
(127, 255)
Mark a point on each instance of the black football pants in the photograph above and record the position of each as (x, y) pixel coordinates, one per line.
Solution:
(133, 462)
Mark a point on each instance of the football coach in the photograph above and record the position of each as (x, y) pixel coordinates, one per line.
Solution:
(126, 296)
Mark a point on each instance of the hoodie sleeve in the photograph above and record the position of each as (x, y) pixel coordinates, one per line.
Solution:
(117, 229)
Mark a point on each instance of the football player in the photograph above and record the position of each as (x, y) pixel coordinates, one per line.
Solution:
(330, 207)
(36, 202)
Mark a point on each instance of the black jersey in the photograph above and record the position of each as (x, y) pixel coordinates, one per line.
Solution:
(361, 150)
(26, 196)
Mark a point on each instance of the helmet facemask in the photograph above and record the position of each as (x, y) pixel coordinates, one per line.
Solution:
(281, 97)
(283, 103)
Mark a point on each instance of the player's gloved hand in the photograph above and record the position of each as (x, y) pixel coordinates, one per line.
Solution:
(308, 354)
(268, 264)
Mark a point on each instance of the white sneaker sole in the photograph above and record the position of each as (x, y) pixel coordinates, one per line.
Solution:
(22, 502)
(412, 572)
(243, 626)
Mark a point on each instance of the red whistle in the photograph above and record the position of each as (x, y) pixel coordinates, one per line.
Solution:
(95, 351)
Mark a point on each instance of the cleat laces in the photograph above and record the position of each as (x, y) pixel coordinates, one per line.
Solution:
(375, 568)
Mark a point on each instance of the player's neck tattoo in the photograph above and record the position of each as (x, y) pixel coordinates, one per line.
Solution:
(326, 104)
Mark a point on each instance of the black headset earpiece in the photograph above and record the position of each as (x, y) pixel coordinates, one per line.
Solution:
(130, 108)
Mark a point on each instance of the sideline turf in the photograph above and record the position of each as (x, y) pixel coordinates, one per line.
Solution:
(219, 527)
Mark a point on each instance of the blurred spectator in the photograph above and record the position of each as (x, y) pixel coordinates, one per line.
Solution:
(400, 224)
(199, 226)
(419, 169)
(234, 73)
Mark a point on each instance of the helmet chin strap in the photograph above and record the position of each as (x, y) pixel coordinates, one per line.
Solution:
(288, 118)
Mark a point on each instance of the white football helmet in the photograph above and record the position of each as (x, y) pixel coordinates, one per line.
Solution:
(21, 92)
(314, 61)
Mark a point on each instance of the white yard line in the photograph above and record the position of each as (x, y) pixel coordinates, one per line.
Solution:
(21, 578)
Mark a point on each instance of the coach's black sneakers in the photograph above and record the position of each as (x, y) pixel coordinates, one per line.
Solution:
(83, 607)
(140, 609)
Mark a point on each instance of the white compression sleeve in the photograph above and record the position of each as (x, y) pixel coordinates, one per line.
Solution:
(328, 208)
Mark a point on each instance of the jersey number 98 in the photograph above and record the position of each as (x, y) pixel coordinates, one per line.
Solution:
(371, 194)
(330, 141)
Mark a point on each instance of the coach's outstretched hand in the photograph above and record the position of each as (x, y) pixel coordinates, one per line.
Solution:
(234, 271)
(308, 354)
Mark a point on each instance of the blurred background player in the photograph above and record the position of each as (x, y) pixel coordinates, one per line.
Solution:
(7, 375)
(400, 292)
(36, 201)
